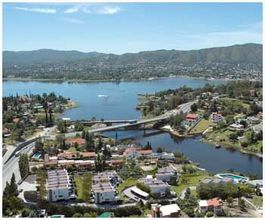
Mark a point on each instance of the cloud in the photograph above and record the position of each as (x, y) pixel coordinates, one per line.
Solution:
(73, 20)
(37, 10)
(109, 10)
(93, 9)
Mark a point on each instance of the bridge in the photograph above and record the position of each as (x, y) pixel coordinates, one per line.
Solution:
(135, 123)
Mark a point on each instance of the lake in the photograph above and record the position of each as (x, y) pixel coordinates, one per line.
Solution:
(118, 101)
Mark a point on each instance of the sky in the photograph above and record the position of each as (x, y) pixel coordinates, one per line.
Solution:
(129, 27)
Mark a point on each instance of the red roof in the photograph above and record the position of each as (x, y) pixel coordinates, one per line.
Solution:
(145, 152)
(79, 141)
(88, 154)
(214, 202)
(191, 116)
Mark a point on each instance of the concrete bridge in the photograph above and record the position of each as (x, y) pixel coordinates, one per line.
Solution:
(136, 123)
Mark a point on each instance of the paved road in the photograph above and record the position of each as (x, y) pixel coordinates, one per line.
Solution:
(12, 166)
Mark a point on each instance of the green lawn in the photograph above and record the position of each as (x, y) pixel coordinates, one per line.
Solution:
(83, 186)
(201, 126)
(188, 180)
(257, 201)
(126, 183)
(72, 149)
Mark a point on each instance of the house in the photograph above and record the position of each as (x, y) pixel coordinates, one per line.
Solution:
(131, 153)
(107, 176)
(165, 211)
(76, 140)
(167, 174)
(163, 156)
(157, 187)
(258, 128)
(135, 152)
(253, 120)
(191, 117)
(236, 127)
(214, 205)
(216, 117)
(59, 186)
(71, 155)
(104, 192)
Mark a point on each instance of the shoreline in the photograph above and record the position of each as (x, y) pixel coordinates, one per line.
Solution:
(16, 79)
(177, 134)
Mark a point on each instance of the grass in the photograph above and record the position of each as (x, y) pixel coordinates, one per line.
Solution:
(126, 183)
(201, 126)
(83, 186)
(257, 201)
(72, 149)
(188, 180)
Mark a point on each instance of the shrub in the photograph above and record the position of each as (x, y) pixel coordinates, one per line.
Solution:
(209, 214)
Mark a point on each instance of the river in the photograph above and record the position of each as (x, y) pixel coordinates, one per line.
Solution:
(118, 101)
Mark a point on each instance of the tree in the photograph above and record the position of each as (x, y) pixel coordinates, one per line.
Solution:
(229, 201)
(13, 186)
(241, 204)
(194, 107)
(23, 165)
(159, 150)
(187, 193)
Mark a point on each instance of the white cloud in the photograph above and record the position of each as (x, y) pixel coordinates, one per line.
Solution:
(37, 10)
(109, 10)
(73, 20)
(93, 9)
(71, 10)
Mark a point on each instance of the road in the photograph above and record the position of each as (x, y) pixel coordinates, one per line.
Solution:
(12, 166)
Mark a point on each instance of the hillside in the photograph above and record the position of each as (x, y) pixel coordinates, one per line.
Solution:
(212, 62)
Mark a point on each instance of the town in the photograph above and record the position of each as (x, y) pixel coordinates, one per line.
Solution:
(66, 163)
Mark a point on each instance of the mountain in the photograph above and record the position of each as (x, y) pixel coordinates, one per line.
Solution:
(51, 64)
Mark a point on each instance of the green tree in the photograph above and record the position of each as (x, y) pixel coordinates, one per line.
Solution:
(23, 165)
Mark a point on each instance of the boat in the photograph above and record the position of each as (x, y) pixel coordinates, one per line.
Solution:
(217, 146)
(103, 96)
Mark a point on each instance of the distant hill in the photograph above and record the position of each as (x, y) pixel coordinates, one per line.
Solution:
(50, 64)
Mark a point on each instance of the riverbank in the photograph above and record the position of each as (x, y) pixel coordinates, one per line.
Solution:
(170, 130)
(19, 79)
(243, 151)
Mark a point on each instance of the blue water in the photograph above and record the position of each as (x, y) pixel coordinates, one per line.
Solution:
(121, 100)
(210, 158)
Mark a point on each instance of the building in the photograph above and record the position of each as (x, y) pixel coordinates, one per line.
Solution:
(135, 152)
(103, 186)
(253, 120)
(214, 205)
(157, 187)
(59, 186)
(236, 127)
(217, 117)
(76, 140)
(108, 176)
(165, 211)
(104, 192)
(191, 117)
(163, 156)
(257, 128)
(167, 174)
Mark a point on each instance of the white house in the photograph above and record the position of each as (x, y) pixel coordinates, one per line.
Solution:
(167, 174)
(214, 205)
(157, 187)
(163, 156)
(58, 185)
(217, 117)
(165, 211)
(104, 192)
(236, 127)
